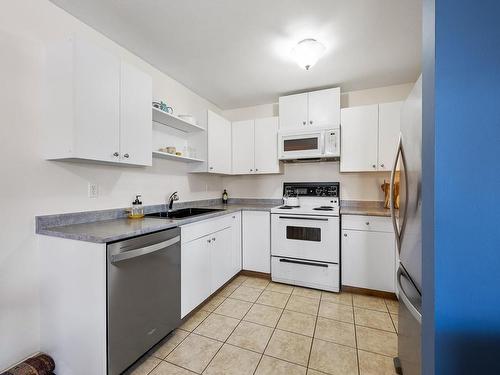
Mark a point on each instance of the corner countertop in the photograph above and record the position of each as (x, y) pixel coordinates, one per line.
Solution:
(105, 231)
(366, 208)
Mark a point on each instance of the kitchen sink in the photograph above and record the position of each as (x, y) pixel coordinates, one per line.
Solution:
(184, 212)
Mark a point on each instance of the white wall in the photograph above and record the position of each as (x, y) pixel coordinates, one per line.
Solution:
(31, 186)
(353, 186)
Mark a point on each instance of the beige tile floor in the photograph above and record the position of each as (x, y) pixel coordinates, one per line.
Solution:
(254, 326)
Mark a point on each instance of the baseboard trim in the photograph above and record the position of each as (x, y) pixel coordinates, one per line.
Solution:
(369, 292)
(262, 275)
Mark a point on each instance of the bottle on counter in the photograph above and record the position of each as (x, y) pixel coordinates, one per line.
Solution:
(137, 210)
(225, 197)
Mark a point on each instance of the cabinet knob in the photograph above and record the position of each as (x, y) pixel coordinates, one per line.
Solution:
(126, 156)
(310, 122)
(303, 122)
(367, 223)
(256, 169)
(211, 168)
(251, 170)
(382, 165)
(213, 239)
(345, 234)
(374, 166)
(209, 240)
(116, 154)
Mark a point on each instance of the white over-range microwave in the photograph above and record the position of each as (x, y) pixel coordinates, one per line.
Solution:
(301, 144)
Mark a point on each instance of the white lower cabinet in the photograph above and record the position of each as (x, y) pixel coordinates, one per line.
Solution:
(368, 252)
(195, 275)
(256, 241)
(211, 255)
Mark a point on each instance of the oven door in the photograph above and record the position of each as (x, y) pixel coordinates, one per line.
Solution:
(305, 237)
(301, 145)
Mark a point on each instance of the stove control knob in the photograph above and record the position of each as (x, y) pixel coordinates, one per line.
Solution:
(319, 191)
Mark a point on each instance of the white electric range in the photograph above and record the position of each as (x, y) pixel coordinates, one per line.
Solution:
(305, 239)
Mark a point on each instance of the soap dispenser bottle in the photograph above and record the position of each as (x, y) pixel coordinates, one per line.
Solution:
(137, 210)
(225, 197)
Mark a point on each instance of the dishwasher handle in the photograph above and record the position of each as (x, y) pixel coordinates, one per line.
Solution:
(115, 258)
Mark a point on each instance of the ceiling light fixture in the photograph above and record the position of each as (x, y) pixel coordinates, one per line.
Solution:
(307, 52)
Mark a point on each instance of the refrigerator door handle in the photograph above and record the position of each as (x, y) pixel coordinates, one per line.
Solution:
(398, 231)
(406, 301)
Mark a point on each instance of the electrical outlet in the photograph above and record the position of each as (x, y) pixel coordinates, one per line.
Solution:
(93, 190)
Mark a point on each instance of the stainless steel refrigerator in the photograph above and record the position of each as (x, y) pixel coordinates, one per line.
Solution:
(408, 231)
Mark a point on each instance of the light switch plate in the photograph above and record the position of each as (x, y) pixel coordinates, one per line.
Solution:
(93, 190)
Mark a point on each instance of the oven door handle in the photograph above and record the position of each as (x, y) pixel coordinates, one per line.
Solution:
(302, 218)
(283, 260)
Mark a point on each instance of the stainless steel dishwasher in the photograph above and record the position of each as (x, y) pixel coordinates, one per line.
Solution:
(144, 295)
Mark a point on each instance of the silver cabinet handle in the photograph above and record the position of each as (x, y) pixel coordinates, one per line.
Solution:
(209, 240)
(211, 168)
(213, 239)
(345, 234)
(367, 223)
(406, 301)
(374, 166)
(382, 165)
(303, 122)
(310, 122)
(251, 170)
(126, 156)
(256, 169)
(144, 250)
(116, 154)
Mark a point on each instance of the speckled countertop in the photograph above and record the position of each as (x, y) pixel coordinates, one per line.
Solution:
(368, 208)
(105, 231)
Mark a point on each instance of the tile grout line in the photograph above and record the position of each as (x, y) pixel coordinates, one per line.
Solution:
(355, 336)
(314, 332)
(274, 330)
(225, 341)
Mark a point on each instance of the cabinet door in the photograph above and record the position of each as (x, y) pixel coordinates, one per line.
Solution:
(388, 132)
(236, 243)
(359, 138)
(324, 108)
(293, 111)
(256, 238)
(195, 274)
(221, 257)
(368, 260)
(97, 102)
(266, 145)
(219, 144)
(135, 116)
(243, 147)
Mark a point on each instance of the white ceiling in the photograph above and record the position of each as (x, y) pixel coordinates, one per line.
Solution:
(235, 53)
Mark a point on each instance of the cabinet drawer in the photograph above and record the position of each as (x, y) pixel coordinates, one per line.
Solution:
(310, 274)
(190, 232)
(367, 223)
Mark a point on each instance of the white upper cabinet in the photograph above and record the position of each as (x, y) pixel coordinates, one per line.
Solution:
(359, 137)
(255, 146)
(135, 116)
(293, 110)
(388, 133)
(243, 147)
(316, 108)
(91, 99)
(266, 145)
(324, 108)
(219, 144)
(369, 137)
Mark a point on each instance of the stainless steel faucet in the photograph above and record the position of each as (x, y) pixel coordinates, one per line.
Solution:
(173, 197)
